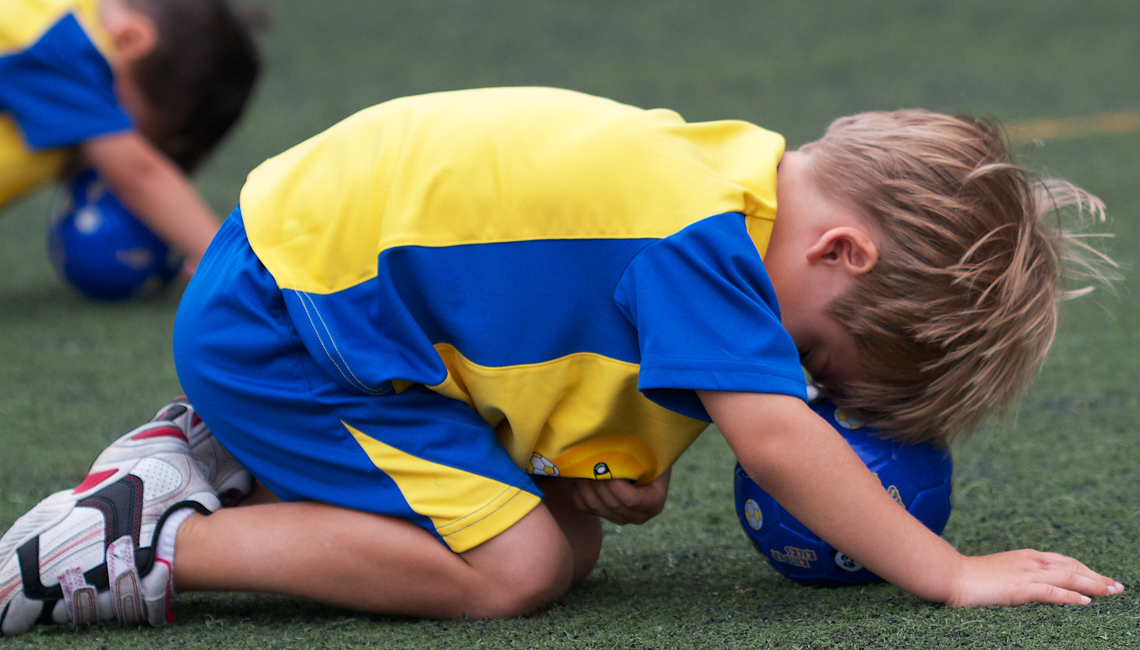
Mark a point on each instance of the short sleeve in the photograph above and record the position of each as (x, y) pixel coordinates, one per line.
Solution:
(61, 89)
(707, 318)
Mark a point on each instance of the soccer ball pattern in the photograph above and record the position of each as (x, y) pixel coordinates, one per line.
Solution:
(101, 249)
(541, 466)
(918, 477)
(752, 515)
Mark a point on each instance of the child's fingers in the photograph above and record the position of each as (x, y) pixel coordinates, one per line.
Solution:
(1050, 595)
(1068, 573)
(607, 494)
(592, 497)
(621, 493)
(1019, 577)
(1085, 582)
(584, 498)
(617, 500)
(1075, 593)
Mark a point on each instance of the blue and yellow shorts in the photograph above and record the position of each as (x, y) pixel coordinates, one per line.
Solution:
(414, 454)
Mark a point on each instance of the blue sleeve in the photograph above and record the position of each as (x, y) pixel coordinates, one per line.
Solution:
(707, 318)
(61, 90)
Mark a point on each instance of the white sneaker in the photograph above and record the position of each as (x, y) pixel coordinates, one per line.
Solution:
(230, 479)
(88, 555)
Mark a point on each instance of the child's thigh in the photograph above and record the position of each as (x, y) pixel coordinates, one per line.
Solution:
(415, 455)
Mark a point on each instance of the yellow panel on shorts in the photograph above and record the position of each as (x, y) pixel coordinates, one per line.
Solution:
(555, 406)
(468, 510)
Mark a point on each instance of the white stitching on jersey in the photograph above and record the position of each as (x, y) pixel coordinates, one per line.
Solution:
(353, 379)
(518, 492)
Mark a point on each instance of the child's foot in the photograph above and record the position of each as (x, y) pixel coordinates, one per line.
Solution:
(231, 481)
(93, 553)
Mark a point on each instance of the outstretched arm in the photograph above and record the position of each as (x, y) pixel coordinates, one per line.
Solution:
(802, 462)
(156, 191)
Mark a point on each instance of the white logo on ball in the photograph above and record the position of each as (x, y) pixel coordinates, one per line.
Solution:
(752, 514)
(88, 220)
(846, 563)
(846, 420)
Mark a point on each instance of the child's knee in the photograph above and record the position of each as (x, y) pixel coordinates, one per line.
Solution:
(528, 591)
(523, 570)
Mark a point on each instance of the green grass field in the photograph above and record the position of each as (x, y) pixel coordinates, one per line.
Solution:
(1063, 475)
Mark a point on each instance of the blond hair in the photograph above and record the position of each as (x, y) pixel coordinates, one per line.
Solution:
(958, 313)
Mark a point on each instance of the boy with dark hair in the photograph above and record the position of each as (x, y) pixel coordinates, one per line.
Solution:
(453, 330)
(140, 90)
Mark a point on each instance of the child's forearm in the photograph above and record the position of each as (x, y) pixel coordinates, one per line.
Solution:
(813, 473)
(847, 505)
(154, 190)
(816, 476)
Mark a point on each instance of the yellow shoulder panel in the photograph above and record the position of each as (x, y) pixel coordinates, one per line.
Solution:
(22, 22)
(496, 165)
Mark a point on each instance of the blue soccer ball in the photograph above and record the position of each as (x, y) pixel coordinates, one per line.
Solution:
(917, 476)
(101, 249)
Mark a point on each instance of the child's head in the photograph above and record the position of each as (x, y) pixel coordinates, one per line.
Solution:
(195, 77)
(958, 313)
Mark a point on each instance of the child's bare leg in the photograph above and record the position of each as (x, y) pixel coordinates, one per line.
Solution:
(583, 531)
(372, 562)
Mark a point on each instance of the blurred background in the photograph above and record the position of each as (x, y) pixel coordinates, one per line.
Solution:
(1062, 474)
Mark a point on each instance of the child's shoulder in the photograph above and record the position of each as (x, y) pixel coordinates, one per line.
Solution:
(26, 23)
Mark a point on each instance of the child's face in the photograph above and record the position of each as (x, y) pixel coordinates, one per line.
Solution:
(827, 350)
(817, 250)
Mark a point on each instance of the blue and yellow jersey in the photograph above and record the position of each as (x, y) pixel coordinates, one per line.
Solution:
(569, 267)
(56, 88)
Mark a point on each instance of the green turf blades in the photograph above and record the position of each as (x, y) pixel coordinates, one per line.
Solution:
(74, 375)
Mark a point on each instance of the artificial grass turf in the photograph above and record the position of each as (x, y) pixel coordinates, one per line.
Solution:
(1063, 475)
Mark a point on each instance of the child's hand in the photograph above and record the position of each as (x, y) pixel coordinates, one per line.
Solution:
(1026, 576)
(620, 501)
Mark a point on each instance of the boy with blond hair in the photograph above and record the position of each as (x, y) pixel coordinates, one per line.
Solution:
(139, 90)
(451, 332)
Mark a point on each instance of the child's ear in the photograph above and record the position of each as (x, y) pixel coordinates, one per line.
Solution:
(133, 33)
(850, 249)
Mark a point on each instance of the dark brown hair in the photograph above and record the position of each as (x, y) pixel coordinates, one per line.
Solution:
(199, 76)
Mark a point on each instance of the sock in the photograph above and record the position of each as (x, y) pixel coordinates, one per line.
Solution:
(164, 547)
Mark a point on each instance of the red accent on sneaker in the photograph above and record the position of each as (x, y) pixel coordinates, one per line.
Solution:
(159, 432)
(93, 479)
(195, 421)
(169, 590)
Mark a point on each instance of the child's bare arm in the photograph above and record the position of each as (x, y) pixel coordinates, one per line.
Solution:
(156, 191)
(620, 501)
(798, 459)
